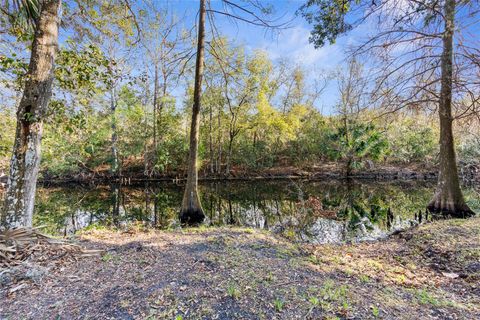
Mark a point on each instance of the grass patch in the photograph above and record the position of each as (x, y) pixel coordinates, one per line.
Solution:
(424, 297)
(233, 291)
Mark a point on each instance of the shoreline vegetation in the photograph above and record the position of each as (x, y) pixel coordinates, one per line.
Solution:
(467, 174)
(428, 272)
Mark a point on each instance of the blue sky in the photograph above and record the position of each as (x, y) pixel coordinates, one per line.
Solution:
(291, 43)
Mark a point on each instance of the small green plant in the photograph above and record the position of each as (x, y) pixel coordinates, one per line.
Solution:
(331, 292)
(326, 306)
(375, 311)
(179, 317)
(364, 278)
(278, 303)
(313, 259)
(248, 230)
(314, 301)
(401, 279)
(107, 257)
(289, 234)
(426, 298)
(233, 291)
(270, 277)
(95, 226)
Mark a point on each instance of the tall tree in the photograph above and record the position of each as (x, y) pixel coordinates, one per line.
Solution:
(191, 211)
(448, 198)
(415, 39)
(355, 138)
(168, 48)
(25, 161)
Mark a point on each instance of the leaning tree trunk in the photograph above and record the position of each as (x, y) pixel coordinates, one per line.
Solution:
(191, 211)
(448, 199)
(25, 161)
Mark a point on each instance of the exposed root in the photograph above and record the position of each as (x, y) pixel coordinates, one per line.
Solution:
(192, 216)
(446, 210)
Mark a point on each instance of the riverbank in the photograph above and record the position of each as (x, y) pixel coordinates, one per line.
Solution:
(134, 175)
(430, 272)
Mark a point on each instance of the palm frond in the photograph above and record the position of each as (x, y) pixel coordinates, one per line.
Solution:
(22, 13)
(29, 9)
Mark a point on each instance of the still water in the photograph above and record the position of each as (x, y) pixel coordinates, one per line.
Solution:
(308, 211)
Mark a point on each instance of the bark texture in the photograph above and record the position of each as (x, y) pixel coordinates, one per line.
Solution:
(448, 199)
(113, 110)
(25, 161)
(191, 211)
(116, 203)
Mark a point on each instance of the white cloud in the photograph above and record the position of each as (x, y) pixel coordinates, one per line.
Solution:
(293, 43)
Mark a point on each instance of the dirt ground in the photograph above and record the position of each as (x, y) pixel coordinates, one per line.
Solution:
(431, 272)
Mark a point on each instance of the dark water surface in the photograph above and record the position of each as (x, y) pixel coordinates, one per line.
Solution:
(310, 211)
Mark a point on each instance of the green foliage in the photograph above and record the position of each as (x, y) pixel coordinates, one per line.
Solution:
(328, 19)
(424, 297)
(107, 257)
(469, 149)
(75, 141)
(330, 292)
(248, 120)
(314, 301)
(83, 68)
(278, 303)
(16, 68)
(375, 311)
(364, 278)
(21, 14)
(233, 291)
(413, 140)
(7, 120)
(356, 141)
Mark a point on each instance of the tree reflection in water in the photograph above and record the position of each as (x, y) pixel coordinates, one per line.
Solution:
(312, 211)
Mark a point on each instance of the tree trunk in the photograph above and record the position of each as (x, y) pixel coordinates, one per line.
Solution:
(25, 161)
(145, 143)
(114, 139)
(348, 167)
(115, 200)
(219, 142)
(155, 109)
(210, 141)
(448, 199)
(229, 153)
(191, 211)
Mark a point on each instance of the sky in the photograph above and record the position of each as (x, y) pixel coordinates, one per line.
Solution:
(290, 43)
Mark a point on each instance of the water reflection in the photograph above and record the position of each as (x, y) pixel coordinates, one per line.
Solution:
(316, 212)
